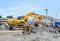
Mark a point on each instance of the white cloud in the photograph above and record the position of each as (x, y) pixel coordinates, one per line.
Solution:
(1, 10)
(18, 11)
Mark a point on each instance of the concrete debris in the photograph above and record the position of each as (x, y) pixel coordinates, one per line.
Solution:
(39, 36)
(43, 33)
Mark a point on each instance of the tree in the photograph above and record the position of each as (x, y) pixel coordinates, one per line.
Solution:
(0, 16)
(9, 16)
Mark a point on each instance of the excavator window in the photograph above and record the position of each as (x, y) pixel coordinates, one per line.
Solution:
(19, 17)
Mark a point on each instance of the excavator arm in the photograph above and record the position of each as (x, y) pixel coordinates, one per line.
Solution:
(39, 17)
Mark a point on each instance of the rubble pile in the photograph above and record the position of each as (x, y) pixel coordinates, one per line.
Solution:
(43, 33)
(40, 35)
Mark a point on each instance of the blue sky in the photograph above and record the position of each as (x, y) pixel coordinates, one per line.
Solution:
(22, 7)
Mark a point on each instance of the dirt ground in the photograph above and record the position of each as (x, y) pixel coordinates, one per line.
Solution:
(18, 36)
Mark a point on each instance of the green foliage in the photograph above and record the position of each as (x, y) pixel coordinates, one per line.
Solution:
(0, 16)
(9, 16)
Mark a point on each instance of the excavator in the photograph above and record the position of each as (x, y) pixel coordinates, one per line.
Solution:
(21, 21)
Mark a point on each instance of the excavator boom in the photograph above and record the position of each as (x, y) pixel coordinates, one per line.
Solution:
(39, 17)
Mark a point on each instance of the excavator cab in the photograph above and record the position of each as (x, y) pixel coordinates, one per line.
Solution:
(20, 17)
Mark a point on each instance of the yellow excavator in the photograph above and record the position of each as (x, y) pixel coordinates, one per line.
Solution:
(22, 20)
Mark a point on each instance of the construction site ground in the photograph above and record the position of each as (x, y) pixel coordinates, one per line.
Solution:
(42, 34)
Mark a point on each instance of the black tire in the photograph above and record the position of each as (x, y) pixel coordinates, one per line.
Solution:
(59, 31)
(36, 24)
(11, 27)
